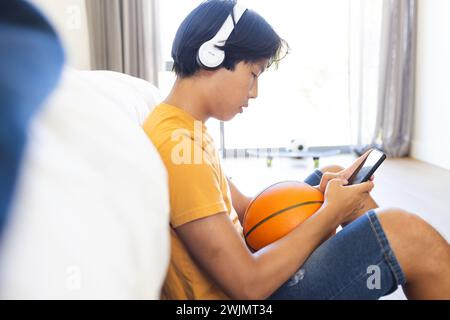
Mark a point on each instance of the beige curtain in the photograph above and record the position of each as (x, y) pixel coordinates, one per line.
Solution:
(382, 74)
(124, 37)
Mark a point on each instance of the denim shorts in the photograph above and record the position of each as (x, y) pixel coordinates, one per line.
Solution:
(356, 263)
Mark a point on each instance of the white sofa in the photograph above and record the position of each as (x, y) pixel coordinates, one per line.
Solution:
(90, 215)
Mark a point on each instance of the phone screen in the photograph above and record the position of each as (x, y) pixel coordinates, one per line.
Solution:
(368, 167)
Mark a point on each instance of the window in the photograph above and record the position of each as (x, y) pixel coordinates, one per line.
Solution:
(307, 98)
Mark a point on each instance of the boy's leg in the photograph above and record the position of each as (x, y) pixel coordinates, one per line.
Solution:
(371, 257)
(421, 251)
(357, 263)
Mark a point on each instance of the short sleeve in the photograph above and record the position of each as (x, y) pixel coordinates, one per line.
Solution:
(194, 185)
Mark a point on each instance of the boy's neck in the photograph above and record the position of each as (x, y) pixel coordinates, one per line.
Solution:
(186, 96)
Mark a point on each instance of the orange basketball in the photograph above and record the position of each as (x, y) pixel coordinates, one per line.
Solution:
(277, 210)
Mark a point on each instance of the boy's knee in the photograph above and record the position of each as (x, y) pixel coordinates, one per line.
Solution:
(413, 240)
(401, 223)
(395, 214)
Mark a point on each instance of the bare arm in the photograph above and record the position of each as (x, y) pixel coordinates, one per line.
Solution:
(221, 251)
(245, 275)
(239, 200)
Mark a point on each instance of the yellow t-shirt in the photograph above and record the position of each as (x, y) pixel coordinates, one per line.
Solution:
(198, 188)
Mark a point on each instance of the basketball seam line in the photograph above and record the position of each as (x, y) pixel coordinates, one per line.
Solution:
(262, 192)
(279, 212)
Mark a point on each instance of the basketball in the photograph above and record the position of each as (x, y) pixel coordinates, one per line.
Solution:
(277, 210)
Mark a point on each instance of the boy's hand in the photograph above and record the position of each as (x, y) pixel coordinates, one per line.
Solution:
(346, 201)
(344, 174)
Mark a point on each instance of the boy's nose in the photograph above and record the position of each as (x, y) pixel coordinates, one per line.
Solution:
(254, 91)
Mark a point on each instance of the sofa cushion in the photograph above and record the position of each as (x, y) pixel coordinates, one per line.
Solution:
(133, 96)
(90, 216)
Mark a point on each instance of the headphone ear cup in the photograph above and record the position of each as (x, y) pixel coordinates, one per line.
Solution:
(209, 56)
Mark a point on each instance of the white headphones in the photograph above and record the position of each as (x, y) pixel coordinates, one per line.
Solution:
(211, 57)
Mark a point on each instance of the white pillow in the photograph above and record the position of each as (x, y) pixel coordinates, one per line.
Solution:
(134, 96)
(90, 217)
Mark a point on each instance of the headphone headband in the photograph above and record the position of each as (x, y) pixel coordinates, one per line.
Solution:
(211, 57)
(227, 28)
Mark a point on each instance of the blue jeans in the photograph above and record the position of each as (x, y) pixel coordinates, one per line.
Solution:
(31, 59)
(357, 263)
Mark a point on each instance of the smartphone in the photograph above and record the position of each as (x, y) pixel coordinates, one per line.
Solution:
(368, 167)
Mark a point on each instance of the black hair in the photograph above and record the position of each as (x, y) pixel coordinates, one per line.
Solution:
(252, 39)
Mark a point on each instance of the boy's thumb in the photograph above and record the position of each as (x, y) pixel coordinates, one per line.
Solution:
(365, 186)
(339, 181)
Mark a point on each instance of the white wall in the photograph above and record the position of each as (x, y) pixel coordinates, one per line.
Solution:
(431, 140)
(69, 18)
